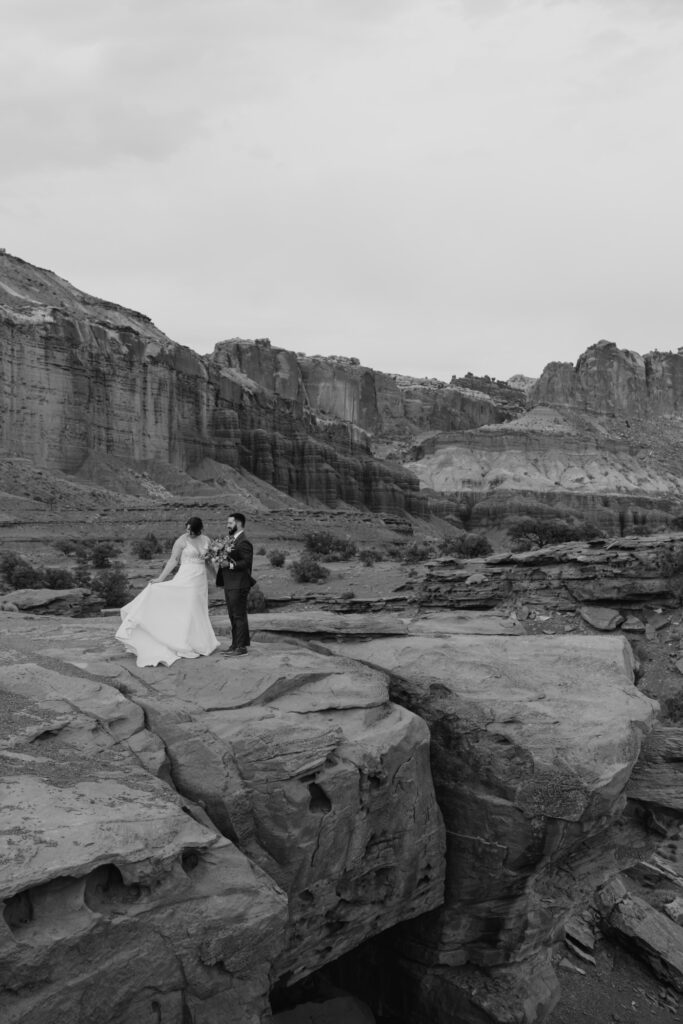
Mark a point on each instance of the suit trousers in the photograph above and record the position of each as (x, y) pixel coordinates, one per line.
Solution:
(236, 600)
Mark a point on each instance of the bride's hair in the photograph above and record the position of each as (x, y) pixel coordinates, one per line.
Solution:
(195, 524)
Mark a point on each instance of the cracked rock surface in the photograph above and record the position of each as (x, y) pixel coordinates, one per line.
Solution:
(119, 906)
(533, 743)
(174, 841)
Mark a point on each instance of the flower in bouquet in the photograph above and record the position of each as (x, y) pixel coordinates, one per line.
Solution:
(220, 549)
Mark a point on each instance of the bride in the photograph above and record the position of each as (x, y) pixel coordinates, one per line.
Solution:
(170, 620)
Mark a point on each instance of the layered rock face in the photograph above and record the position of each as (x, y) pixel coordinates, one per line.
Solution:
(172, 853)
(304, 763)
(533, 743)
(541, 451)
(601, 438)
(119, 906)
(392, 406)
(630, 571)
(84, 379)
(612, 381)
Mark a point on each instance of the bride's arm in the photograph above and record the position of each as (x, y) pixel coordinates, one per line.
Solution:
(173, 560)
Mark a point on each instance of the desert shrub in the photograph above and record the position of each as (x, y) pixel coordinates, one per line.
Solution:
(66, 546)
(146, 547)
(334, 549)
(8, 562)
(82, 576)
(475, 545)
(112, 586)
(19, 573)
(449, 546)
(27, 577)
(81, 550)
(368, 556)
(256, 602)
(418, 551)
(260, 551)
(528, 532)
(466, 545)
(102, 554)
(277, 558)
(308, 569)
(59, 579)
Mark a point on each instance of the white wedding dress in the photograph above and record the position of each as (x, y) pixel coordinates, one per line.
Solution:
(170, 620)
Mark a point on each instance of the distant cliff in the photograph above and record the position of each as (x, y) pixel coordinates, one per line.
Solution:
(611, 381)
(602, 440)
(82, 377)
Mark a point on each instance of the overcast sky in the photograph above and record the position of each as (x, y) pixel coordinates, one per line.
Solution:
(432, 186)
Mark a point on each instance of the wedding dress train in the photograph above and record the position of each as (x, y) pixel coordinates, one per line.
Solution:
(170, 620)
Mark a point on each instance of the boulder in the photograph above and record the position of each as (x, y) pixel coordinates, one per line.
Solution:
(648, 932)
(302, 760)
(632, 624)
(533, 743)
(604, 619)
(119, 906)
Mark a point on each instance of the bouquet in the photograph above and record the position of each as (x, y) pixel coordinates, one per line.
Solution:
(219, 550)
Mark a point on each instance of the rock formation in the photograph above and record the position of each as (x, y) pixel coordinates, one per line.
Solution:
(86, 382)
(611, 381)
(602, 440)
(533, 743)
(119, 906)
(307, 823)
(307, 786)
(93, 389)
(629, 571)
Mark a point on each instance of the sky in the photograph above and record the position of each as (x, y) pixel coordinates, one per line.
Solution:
(434, 187)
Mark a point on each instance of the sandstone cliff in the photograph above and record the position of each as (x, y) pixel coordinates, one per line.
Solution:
(602, 440)
(86, 383)
(612, 381)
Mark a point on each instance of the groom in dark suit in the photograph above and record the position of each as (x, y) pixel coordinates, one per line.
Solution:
(234, 575)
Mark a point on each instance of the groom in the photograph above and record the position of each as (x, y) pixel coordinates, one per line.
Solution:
(234, 575)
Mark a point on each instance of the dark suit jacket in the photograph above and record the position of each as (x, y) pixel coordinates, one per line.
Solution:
(238, 578)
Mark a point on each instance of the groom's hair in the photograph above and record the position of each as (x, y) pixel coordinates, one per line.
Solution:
(239, 517)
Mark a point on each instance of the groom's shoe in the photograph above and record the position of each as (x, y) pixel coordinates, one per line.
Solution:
(239, 650)
(229, 650)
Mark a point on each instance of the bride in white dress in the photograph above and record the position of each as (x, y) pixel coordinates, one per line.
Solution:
(170, 620)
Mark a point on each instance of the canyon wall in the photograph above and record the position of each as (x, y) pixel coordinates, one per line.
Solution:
(612, 381)
(601, 441)
(95, 390)
(84, 379)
